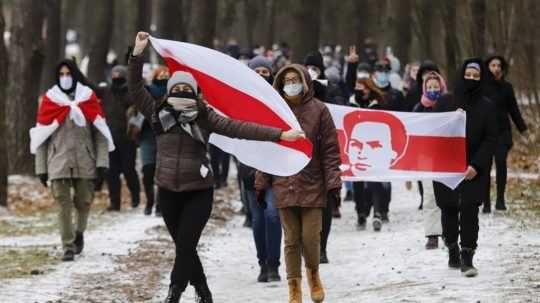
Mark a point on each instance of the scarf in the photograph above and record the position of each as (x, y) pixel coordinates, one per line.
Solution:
(182, 112)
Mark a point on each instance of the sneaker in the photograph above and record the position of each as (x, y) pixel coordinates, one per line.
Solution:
(454, 258)
(384, 218)
(263, 274)
(69, 255)
(467, 267)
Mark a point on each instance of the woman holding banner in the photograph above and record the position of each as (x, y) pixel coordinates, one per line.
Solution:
(183, 124)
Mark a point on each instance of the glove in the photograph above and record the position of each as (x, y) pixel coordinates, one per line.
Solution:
(43, 178)
(261, 198)
(334, 197)
(101, 175)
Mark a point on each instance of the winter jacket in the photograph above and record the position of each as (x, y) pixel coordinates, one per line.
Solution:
(72, 152)
(393, 98)
(502, 94)
(182, 163)
(415, 93)
(481, 139)
(308, 188)
(115, 105)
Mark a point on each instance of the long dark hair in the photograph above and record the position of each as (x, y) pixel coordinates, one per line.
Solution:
(76, 74)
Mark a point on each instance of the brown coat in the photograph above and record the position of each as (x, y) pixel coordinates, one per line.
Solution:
(308, 188)
(181, 160)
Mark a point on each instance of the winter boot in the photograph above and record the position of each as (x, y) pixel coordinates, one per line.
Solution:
(69, 255)
(432, 242)
(148, 210)
(203, 294)
(273, 274)
(263, 275)
(361, 224)
(384, 217)
(454, 258)
(295, 290)
(174, 294)
(323, 257)
(500, 205)
(487, 208)
(79, 242)
(315, 286)
(467, 267)
(377, 222)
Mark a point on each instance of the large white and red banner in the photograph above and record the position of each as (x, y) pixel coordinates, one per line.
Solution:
(389, 146)
(375, 145)
(237, 92)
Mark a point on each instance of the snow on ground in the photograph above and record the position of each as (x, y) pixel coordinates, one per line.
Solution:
(390, 266)
(107, 241)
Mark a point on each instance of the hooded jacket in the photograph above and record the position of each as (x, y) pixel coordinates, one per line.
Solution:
(481, 139)
(415, 93)
(308, 188)
(501, 92)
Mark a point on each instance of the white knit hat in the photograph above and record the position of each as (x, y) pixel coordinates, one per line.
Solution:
(181, 77)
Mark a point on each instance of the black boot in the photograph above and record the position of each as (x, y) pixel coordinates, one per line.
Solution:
(174, 294)
(432, 242)
(148, 210)
(69, 255)
(263, 275)
(273, 274)
(500, 205)
(324, 258)
(467, 267)
(79, 242)
(361, 224)
(454, 259)
(385, 218)
(203, 293)
(487, 208)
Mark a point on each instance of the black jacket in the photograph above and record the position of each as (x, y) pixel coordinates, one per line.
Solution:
(502, 94)
(481, 137)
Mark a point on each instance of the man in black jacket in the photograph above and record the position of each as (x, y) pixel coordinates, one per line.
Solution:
(501, 92)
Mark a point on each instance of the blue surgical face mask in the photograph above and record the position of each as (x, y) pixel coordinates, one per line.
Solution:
(433, 95)
(381, 79)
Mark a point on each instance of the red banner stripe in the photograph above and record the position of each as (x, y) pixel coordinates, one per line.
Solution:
(244, 107)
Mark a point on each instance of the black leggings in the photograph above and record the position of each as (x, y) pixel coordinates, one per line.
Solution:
(326, 224)
(149, 171)
(501, 154)
(186, 215)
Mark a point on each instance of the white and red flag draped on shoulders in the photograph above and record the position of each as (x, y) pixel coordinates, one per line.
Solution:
(56, 107)
(388, 146)
(239, 93)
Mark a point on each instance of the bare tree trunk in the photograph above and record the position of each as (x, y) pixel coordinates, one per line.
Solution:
(251, 13)
(306, 16)
(449, 18)
(424, 25)
(25, 65)
(271, 6)
(478, 28)
(142, 22)
(170, 20)
(101, 41)
(362, 8)
(54, 42)
(403, 31)
(3, 101)
(204, 22)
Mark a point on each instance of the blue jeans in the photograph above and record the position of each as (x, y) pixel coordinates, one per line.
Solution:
(266, 229)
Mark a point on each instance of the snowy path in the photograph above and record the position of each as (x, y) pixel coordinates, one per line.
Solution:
(390, 266)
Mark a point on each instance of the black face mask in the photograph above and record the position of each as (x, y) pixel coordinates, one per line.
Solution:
(360, 95)
(118, 82)
(269, 79)
(471, 85)
(160, 82)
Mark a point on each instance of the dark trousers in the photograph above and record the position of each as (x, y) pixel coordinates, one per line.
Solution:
(326, 224)
(460, 221)
(266, 229)
(371, 194)
(122, 161)
(186, 215)
(149, 172)
(220, 164)
(501, 155)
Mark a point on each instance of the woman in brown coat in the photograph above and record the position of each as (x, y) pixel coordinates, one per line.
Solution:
(183, 124)
(300, 198)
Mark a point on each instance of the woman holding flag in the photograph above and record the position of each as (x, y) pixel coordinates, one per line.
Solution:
(183, 124)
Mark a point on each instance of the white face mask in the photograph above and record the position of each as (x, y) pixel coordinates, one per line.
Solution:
(292, 90)
(66, 82)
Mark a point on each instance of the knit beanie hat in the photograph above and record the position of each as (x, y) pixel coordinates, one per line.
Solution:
(181, 77)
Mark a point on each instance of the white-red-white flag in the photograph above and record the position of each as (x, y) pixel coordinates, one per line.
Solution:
(389, 146)
(239, 93)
